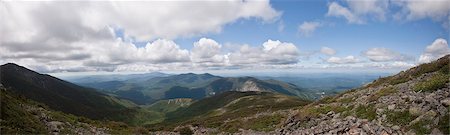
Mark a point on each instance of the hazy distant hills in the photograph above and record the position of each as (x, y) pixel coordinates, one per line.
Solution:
(58, 94)
(150, 88)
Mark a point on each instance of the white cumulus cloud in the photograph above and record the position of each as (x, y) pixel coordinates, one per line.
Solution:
(81, 35)
(434, 51)
(272, 52)
(207, 50)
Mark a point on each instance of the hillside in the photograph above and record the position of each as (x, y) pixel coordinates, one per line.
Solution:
(61, 95)
(415, 101)
(20, 115)
(224, 111)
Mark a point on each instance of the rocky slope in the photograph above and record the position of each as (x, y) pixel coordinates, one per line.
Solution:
(412, 102)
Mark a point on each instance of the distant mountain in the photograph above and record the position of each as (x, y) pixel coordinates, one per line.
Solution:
(148, 89)
(59, 94)
(327, 83)
(195, 86)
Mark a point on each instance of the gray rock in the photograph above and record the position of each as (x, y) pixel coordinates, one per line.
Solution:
(391, 107)
(436, 131)
(446, 102)
(416, 111)
(396, 127)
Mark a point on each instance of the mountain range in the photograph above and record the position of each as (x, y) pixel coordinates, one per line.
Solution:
(414, 101)
(157, 86)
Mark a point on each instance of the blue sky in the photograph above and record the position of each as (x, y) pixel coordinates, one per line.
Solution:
(409, 37)
(196, 36)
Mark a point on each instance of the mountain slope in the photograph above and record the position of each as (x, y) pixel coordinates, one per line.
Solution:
(58, 94)
(23, 116)
(415, 101)
(223, 110)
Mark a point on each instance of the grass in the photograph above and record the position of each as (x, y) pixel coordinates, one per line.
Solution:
(420, 127)
(265, 123)
(308, 112)
(400, 118)
(382, 92)
(345, 100)
(444, 123)
(441, 65)
(366, 112)
(437, 81)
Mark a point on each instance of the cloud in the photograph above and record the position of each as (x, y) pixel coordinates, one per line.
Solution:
(80, 36)
(272, 52)
(144, 20)
(384, 54)
(336, 10)
(437, 49)
(308, 28)
(327, 51)
(360, 11)
(207, 50)
(437, 10)
(377, 8)
(344, 60)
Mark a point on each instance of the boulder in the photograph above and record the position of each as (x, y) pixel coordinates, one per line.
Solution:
(446, 102)
(416, 111)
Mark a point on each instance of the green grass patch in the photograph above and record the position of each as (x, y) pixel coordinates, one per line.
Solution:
(444, 124)
(420, 127)
(437, 81)
(327, 99)
(382, 92)
(366, 112)
(345, 100)
(399, 80)
(400, 118)
(265, 123)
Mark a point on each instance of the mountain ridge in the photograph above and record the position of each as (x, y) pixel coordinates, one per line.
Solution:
(56, 93)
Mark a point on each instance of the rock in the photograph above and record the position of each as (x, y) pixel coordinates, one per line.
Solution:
(436, 131)
(391, 107)
(395, 127)
(446, 102)
(330, 113)
(54, 126)
(336, 116)
(416, 111)
(379, 111)
(430, 115)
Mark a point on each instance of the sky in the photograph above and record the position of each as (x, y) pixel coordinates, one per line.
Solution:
(224, 35)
